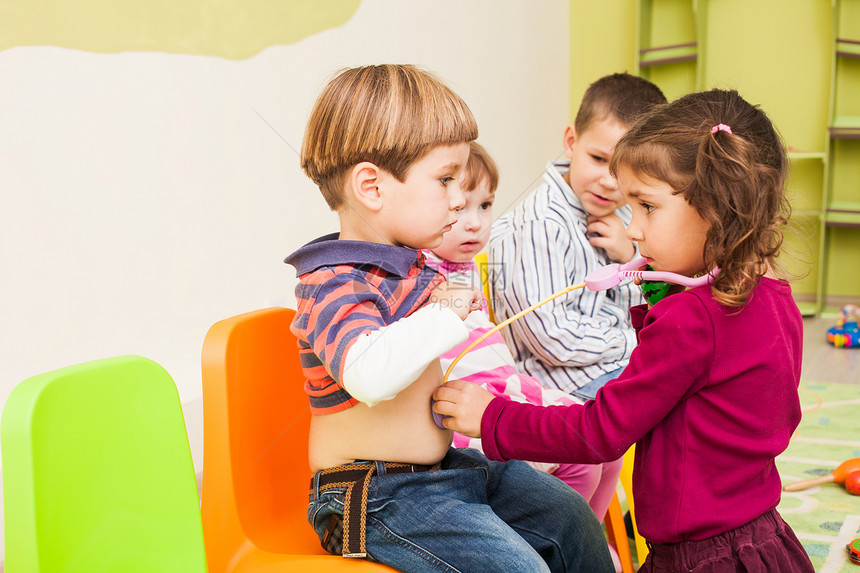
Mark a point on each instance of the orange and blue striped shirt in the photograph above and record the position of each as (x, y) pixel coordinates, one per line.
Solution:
(348, 288)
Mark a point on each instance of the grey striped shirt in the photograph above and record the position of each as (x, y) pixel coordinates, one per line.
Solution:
(538, 249)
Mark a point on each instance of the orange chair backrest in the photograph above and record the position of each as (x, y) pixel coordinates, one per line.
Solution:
(256, 420)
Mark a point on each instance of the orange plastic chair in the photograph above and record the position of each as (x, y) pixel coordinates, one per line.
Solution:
(616, 532)
(627, 484)
(256, 420)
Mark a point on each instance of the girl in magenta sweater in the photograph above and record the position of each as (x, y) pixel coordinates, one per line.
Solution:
(710, 394)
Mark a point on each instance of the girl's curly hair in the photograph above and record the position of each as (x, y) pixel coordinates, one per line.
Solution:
(734, 177)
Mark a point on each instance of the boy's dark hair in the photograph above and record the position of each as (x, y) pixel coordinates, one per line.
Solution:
(724, 156)
(390, 115)
(620, 96)
(479, 166)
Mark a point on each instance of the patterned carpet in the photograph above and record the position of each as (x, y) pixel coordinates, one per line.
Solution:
(826, 517)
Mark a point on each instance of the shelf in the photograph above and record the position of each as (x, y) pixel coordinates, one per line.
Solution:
(807, 308)
(842, 214)
(847, 48)
(809, 213)
(830, 311)
(660, 55)
(670, 43)
(798, 154)
(835, 221)
(845, 127)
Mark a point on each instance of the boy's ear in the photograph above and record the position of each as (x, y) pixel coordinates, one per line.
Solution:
(363, 185)
(568, 139)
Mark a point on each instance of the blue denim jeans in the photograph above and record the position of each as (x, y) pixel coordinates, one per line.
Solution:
(589, 391)
(474, 515)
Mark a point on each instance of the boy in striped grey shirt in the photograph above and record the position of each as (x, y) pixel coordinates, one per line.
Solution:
(572, 224)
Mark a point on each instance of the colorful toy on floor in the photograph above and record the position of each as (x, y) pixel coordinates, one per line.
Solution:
(853, 549)
(852, 483)
(838, 476)
(846, 333)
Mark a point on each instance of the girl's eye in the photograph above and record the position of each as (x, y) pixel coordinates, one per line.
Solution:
(445, 180)
(647, 206)
(599, 159)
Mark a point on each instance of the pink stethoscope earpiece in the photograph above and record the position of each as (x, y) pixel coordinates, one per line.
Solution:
(612, 275)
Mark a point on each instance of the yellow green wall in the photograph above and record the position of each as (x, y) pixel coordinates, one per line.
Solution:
(777, 53)
(601, 42)
(202, 27)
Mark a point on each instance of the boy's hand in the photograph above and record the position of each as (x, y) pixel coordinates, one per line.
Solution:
(463, 403)
(459, 297)
(609, 234)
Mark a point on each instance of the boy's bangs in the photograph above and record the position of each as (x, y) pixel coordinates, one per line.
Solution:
(418, 114)
(425, 122)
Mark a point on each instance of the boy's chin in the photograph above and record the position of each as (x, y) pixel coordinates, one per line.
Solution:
(600, 210)
(452, 254)
(422, 245)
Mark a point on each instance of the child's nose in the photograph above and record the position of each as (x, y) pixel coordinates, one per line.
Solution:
(470, 220)
(456, 198)
(608, 181)
(633, 232)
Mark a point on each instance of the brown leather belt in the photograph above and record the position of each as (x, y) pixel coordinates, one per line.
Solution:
(356, 479)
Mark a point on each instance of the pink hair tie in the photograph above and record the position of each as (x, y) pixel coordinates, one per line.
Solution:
(721, 127)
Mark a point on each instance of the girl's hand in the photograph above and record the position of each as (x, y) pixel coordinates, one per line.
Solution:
(459, 297)
(463, 403)
(609, 234)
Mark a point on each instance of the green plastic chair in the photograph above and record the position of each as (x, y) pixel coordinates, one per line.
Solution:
(97, 473)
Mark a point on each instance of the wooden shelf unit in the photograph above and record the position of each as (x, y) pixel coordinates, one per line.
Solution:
(670, 37)
(841, 188)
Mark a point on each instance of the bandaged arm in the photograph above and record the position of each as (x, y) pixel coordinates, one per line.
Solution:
(385, 361)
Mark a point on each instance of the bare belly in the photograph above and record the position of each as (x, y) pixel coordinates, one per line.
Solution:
(396, 430)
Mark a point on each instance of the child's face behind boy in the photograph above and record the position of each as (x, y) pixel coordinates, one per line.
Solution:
(472, 230)
(589, 176)
(418, 211)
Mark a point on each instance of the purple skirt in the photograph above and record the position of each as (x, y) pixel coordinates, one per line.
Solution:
(765, 544)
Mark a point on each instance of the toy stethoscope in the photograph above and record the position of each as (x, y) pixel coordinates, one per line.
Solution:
(655, 286)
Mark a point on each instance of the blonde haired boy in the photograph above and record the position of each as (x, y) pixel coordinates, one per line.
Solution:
(386, 145)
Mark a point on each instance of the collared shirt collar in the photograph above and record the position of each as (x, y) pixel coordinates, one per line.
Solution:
(554, 175)
(445, 266)
(330, 251)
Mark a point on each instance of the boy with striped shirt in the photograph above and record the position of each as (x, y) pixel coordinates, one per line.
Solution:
(571, 225)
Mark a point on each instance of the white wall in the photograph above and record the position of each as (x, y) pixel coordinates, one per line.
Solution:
(144, 196)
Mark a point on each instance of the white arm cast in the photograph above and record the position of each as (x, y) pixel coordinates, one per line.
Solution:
(383, 362)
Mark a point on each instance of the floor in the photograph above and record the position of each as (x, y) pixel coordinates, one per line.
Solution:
(824, 363)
